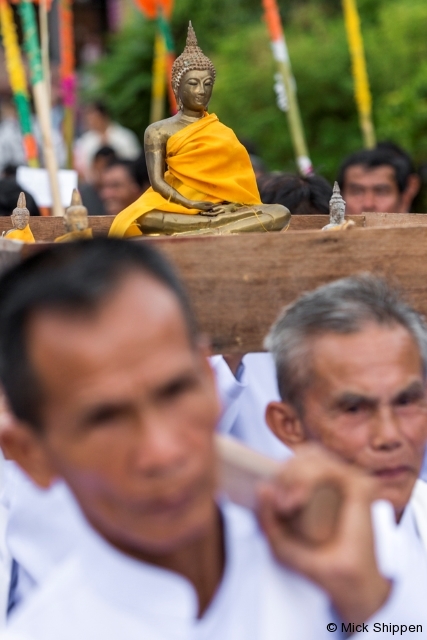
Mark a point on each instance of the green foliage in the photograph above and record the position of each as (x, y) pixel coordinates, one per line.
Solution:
(233, 33)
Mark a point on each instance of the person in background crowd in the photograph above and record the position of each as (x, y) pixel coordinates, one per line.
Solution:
(303, 195)
(103, 158)
(102, 131)
(381, 180)
(122, 183)
(11, 142)
(9, 193)
(90, 191)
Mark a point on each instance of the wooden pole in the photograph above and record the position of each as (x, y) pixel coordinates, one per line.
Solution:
(281, 56)
(44, 45)
(40, 93)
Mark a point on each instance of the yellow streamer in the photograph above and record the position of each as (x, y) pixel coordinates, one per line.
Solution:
(360, 74)
(14, 64)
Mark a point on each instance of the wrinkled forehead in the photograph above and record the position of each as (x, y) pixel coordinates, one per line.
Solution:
(374, 357)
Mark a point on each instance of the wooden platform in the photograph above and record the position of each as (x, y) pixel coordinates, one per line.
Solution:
(47, 229)
(238, 284)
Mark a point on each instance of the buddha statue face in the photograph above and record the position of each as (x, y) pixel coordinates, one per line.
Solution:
(195, 90)
(75, 217)
(76, 220)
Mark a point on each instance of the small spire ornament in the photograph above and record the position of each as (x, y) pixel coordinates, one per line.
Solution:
(337, 211)
(191, 59)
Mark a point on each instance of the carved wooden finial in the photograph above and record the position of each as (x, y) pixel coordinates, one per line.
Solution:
(76, 199)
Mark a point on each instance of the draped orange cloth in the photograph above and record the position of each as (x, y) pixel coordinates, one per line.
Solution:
(205, 162)
(24, 235)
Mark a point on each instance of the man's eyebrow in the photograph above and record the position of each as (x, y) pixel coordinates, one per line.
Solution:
(414, 391)
(179, 382)
(349, 398)
(103, 412)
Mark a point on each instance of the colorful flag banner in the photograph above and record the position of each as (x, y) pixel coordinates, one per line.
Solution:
(67, 73)
(18, 80)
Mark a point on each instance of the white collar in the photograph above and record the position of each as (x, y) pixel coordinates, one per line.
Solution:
(157, 593)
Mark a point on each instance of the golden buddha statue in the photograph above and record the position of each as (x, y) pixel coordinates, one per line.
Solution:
(202, 181)
(20, 220)
(76, 221)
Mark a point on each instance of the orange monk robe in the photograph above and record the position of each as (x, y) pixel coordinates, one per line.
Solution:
(24, 235)
(205, 162)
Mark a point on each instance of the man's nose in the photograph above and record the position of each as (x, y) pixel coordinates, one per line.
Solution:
(369, 202)
(386, 433)
(159, 449)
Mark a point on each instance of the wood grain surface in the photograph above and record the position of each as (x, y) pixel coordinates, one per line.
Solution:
(239, 284)
(46, 229)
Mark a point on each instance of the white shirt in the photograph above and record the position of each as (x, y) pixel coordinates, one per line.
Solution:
(43, 527)
(123, 141)
(102, 594)
(245, 399)
(5, 557)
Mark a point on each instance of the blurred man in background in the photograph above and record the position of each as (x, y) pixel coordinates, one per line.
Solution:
(381, 180)
(122, 182)
(102, 131)
(303, 195)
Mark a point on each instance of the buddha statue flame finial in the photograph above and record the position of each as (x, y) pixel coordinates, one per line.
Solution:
(191, 59)
(336, 207)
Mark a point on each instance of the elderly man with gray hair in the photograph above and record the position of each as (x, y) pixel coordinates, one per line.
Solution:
(351, 361)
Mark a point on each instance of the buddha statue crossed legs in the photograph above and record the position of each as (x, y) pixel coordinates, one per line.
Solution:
(202, 181)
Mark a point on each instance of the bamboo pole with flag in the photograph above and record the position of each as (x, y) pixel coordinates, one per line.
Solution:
(281, 56)
(360, 74)
(40, 93)
(18, 80)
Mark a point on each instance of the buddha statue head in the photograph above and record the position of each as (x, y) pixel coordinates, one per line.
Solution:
(75, 217)
(193, 76)
(20, 216)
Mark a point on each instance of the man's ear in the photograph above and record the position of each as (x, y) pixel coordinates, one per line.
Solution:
(412, 188)
(285, 423)
(24, 445)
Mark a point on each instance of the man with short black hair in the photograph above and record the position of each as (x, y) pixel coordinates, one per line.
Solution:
(302, 195)
(111, 390)
(381, 180)
(122, 182)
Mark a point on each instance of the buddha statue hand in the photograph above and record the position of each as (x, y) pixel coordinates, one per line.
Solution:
(221, 209)
(205, 208)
